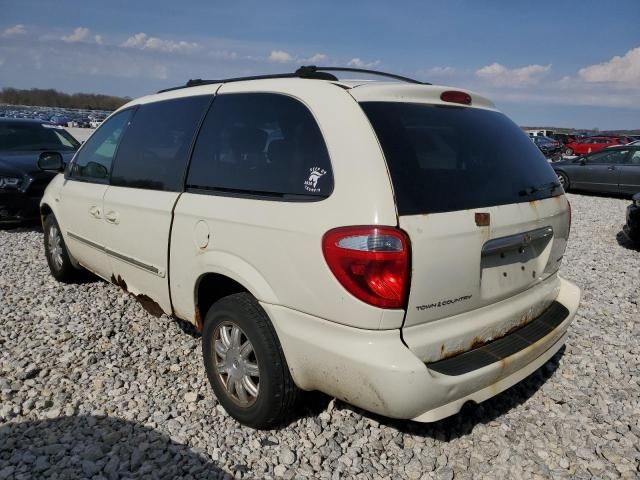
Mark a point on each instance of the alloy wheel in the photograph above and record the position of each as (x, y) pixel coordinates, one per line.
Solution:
(236, 364)
(562, 180)
(55, 246)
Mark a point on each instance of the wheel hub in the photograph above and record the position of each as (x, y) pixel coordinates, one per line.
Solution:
(236, 364)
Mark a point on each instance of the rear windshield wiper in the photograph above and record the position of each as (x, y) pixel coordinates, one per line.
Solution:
(551, 186)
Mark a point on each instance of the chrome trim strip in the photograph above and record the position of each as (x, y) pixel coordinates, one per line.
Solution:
(511, 242)
(132, 261)
(85, 241)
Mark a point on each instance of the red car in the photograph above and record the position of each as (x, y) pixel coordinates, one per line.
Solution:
(591, 144)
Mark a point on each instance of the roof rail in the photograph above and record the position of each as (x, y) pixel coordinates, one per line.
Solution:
(313, 70)
(306, 71)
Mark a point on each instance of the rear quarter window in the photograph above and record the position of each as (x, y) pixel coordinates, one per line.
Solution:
(261, 144)
(446, 158)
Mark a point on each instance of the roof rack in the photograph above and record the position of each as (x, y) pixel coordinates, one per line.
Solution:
(306, 71)
(313, 70)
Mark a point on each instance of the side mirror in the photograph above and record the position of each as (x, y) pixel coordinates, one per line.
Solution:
(51, 162)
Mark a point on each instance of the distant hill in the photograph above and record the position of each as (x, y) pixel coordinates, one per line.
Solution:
(53, 98)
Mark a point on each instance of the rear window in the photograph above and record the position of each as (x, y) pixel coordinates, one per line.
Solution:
(444, 158)
(35, 136)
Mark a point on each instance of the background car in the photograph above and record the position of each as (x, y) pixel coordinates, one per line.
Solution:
(550, 148)
(22, 183)
(591, 144)
(614, 170)
(632, 228)
(564, 138)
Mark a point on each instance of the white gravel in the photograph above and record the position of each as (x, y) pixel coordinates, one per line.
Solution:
(91, 386)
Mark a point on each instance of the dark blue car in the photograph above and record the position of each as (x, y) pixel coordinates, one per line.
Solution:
(22, 183)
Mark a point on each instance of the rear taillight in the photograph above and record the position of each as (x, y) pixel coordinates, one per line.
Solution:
(372, 263)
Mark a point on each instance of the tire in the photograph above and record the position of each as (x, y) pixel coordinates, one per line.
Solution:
(55, 250)
(564, 180)
(232, 362)
(568, 151)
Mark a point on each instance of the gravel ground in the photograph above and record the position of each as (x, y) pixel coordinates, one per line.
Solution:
(92, 386)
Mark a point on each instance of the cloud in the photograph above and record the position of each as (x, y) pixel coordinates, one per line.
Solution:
(359, 63)
(623, 70)
(223, 54)
(280, 56)
(501, 76)
(144, 42)
(317, 58)
(15, 30)
(80, 34)
(441, 71)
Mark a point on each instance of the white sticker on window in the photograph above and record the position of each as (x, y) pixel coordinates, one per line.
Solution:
(311, 184)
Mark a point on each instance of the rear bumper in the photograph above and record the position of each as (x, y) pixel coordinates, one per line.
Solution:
(374, 370)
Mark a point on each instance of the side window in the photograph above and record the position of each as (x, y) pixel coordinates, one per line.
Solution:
(93, 161)
(635, 158)
(608, 157)
(261, 144)
(155, 149)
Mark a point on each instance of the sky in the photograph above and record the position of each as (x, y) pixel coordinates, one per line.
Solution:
(564, 63)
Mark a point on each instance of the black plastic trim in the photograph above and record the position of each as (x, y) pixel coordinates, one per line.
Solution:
(306, 71)
(503, 347)
(255, 195)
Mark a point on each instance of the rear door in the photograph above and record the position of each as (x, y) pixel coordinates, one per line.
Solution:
(146, 182)
(82, 194)
(483, 209)
(600, 171)
(630, 173)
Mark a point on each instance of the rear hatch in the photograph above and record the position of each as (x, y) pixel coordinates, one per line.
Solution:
(485, 214)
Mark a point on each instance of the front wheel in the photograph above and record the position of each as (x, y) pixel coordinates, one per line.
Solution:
(564, 180)
(55, 251)
(245, 364)
(568, 151)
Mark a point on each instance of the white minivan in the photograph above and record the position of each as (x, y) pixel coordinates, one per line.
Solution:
(393, 244)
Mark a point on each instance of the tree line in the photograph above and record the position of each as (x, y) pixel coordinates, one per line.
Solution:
(54, 98)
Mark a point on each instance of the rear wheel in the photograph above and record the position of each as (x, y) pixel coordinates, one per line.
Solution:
(55, 251)
(568, 151)
(245, 363)
(564, 180)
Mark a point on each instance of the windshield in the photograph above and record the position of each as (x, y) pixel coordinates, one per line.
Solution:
(443, 159)
(35, 136)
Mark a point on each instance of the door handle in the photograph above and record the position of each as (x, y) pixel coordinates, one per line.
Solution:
(112, 217)
(95, 212)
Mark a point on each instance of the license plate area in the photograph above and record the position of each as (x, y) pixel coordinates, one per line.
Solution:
(513, 263)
